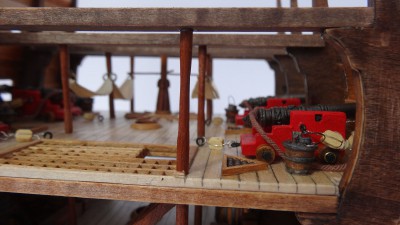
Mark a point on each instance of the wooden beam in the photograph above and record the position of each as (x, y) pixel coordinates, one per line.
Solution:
(296, 82)
(11, 3)
(173, 195)
(132, 75)
(200, 91)
(198, 214)
(111, 96)
(374, 54)
(163, 106)
(215, 52)
(160, 39)
(64, 64)
(182, 212)
(182, 155)
(280, 78)
(326, 80)
(209, 102)
(174, 19)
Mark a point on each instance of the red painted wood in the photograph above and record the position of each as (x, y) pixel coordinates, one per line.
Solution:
(182, 217)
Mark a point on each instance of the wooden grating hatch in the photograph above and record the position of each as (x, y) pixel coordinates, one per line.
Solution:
(95, 156)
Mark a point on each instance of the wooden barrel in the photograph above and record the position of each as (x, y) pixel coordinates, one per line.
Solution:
(299, 155)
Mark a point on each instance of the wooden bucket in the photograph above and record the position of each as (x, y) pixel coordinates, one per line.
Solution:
(299, 155)
(231, 113)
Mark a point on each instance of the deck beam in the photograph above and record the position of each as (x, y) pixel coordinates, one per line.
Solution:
(215, 52)
(161, 39)
(174, 19)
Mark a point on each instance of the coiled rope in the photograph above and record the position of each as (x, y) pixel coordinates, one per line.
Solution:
(316, 165)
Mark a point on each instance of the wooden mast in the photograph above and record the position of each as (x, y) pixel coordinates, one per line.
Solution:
(209, 105)
(163, 105)
(64, 64)
(111, 96)
(182, 156)
(201, 90)
(132, 75)
(200, 113)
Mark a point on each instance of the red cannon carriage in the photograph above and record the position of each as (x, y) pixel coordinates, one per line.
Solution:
(316, 122)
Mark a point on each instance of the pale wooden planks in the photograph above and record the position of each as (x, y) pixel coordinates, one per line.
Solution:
(175, 195)
(173, 19)
(206, 168)
(212, 174)
(196, 172)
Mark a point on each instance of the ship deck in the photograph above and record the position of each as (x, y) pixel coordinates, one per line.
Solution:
(106, 160)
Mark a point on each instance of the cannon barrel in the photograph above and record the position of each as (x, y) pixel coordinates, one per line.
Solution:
(254, 102)
(281, 115)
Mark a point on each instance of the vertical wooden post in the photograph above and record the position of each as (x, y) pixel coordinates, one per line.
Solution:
(182, 156)
(280, 78)
(198, 214)
(209, 101)
(186, 41)
(111, 96)
(72, 211)
(182, 212)
(201, 90)
(38, 3)
(163, 84)
(132, 71)
(64, 64)
(319, 3)
(200, 113)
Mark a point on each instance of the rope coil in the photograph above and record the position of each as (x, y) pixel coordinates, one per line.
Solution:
(259, 129)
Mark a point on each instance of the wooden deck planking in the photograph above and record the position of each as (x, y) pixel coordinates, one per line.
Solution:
(286, 183)
(268, 180)
(204, 173)
(324, 185)
(247, 181)
(196, 172)
(305, 184)
(212, 174)
(230, 182)
(335, 178)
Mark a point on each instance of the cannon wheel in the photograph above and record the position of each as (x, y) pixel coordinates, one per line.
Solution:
(265, 153)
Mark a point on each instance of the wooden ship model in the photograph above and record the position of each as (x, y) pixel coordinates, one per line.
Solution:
(352, 56)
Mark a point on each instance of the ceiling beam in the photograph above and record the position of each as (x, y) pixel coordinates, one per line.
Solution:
(160, 39)
(174, 19)
(215, 52)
